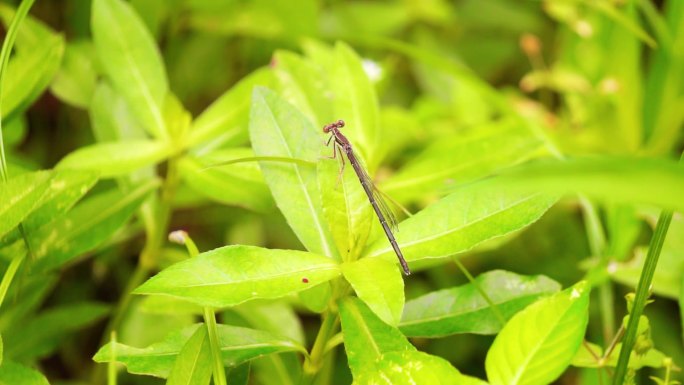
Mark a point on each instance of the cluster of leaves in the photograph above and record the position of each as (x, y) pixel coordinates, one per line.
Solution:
(259, 146)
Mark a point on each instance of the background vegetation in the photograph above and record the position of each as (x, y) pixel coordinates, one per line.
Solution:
(536, 142)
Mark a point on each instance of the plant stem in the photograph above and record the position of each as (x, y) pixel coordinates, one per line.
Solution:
(642, 293)
(596, 236)
(315, 362)
(219, 370)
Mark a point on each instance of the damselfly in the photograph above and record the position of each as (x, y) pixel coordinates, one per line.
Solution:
(385, 215)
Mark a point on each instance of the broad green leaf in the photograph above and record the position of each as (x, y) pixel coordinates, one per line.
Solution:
(193, 363)
(461, 221)
(169, 305)
(238, 184)
(15, 374)
(18, 197)
(462, 158)
(225, 119)
(345, 207)
(65, 189)
(86, 226)
(670, 269)
(380, 285)
(355, 102)
(612, 178)
(538, 343)
(116, 158)
(278, 129)
(366, 337)
(75, 81)
(42, 334)
(34, 289)
(462, 309)
(131, 60)
(111, 117)
(230, 275)
(278, 369)
(586, 357)
(413, 368)
(237, 344)
(303, 84)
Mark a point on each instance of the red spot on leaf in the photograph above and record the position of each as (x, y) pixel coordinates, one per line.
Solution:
(305, 280)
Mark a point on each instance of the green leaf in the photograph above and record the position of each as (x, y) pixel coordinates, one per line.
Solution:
(278, 129)
(238, 184)
(301, 82)
(275, 317)
(28, 74)
(538, 343)
(345, 207)
(225, 118)
(463, 157)
(355, 101)
(611, 178)
(65, 189)
(239, 375)
(42, 334)
(76, 80)
(238, 345)
(31, 33)
(111, 117)
(462, 309)
(131, 60)
(413, 368)
(380, 285)
(316, 298)
(18, 197)
(193, 363)
(230, 275)
(366, 337)
(462, 220)
(15, 374)
(86, 226)
(1, 350)
(116, 158)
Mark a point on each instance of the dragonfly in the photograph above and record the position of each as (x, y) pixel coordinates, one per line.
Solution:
(383, 212)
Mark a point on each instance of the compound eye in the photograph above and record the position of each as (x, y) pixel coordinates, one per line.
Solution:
(326, 128)
(340, 123)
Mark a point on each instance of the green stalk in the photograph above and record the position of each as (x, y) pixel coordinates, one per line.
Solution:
(642, 295)
(597, 245)
(315, 361)
(209, 315)
(9, 275)
(111, 366)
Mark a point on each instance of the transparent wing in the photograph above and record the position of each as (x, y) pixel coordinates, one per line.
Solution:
(379, 200)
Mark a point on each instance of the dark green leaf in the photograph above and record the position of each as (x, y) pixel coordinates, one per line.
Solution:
(237, 346)
(462, 309)
(86, 226)
(230, 275)
(76, 80)
(42, 334)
